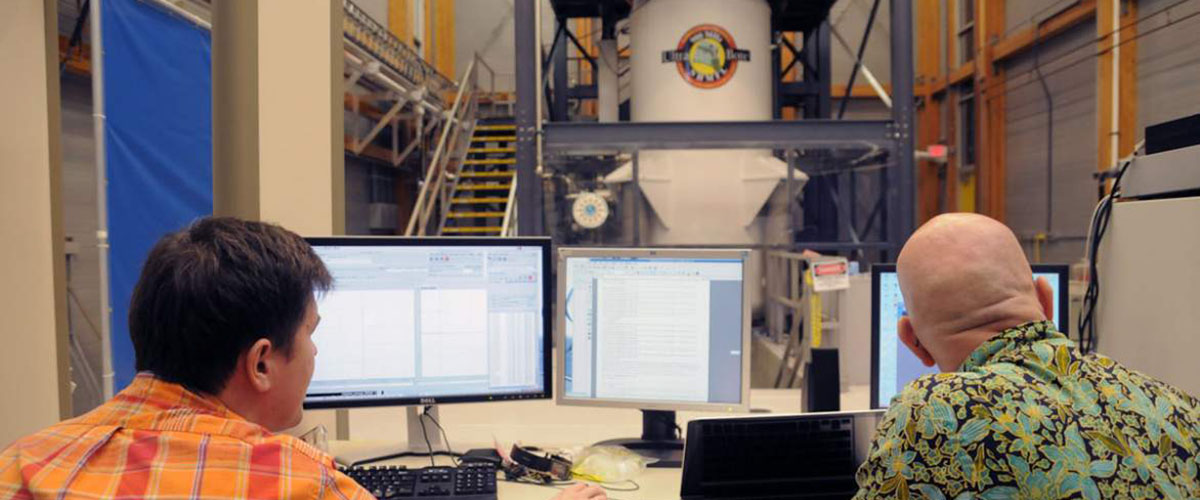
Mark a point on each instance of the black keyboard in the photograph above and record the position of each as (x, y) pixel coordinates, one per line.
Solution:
(469, 481)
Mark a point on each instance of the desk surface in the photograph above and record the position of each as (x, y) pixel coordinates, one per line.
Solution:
(543, 423)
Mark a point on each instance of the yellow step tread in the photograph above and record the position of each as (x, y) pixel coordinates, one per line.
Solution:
(491, 150)
(475, 175)
(480, 200)
(496, 127)
(452, 230)
(494, 138)
(491, 161)
(469, 215)
(484, 187)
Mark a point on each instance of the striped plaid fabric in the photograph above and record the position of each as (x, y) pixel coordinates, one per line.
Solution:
(157, 439)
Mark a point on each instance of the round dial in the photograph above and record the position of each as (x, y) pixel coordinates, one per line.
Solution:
(590, 210)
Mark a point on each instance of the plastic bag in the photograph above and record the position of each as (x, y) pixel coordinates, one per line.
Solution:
(609, 464)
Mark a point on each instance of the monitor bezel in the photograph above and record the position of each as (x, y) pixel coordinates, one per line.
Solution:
(560, 334)
(441, 241)
(1064, 302)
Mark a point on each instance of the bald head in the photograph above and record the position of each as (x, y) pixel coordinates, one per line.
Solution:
(965, 279)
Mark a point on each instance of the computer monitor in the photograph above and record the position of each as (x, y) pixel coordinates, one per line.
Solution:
(654, 329)
(893, 365)
(423, 321)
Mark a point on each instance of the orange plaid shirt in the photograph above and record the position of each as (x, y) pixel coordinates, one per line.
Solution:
(157, 439)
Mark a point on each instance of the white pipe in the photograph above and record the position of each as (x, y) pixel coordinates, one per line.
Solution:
(870, 76)
(98, 123)
(181, 12)
(1115, 127)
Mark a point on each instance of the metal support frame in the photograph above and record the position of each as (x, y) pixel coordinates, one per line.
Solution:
(902, 184)
(558, 110)
(529, 187)
(812, 138)
(631, 136)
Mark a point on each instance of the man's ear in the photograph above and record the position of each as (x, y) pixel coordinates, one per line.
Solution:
(909, 337)
(257, 365)
(1045, 295)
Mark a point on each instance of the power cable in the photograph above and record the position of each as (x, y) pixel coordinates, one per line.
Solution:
(449, 449)
(428, 445)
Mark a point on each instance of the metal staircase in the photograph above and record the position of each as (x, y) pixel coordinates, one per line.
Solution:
(470, 185)
(482, 197)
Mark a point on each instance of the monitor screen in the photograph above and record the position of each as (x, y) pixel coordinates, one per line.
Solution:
(431, 320)
(653, 329)
(893, 364)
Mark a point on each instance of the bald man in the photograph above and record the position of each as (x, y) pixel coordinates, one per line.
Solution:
(1018, 411)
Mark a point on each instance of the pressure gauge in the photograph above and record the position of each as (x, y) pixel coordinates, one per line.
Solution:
(590, 210)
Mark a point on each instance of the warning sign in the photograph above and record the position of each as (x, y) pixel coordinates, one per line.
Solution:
(830, 273)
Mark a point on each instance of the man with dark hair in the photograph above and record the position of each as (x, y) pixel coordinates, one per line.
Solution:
(221, 321)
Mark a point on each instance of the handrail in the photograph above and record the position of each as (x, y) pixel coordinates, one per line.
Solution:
(508, 209)
(425, 200)
(491, 74)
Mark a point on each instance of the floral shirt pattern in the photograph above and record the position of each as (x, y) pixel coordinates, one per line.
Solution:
(1027, 416)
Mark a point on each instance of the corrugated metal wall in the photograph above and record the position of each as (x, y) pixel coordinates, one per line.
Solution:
(1069, 67)
(1168, 62)
(1168, 87)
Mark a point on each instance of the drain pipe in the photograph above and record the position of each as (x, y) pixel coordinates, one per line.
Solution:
(98, 129)
(1037, 69)
(1114, 133)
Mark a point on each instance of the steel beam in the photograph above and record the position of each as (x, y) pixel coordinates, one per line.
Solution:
(529, 195)
(904, 212)
(818, 59)
(559, 108)
(630, 136)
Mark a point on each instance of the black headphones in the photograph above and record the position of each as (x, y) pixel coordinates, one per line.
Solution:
(545, 468)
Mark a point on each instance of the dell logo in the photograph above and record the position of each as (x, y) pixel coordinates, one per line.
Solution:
(428, 401)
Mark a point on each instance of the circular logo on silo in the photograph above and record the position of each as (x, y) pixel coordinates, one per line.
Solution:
(706, 56)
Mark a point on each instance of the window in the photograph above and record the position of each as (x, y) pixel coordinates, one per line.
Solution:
(967, 125)
(966, 31)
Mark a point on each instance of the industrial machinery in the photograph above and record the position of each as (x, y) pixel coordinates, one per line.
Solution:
(1152, 249)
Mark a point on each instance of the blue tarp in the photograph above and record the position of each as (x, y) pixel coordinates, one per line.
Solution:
(158, 103)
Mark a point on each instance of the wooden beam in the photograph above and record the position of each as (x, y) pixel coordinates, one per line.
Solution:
(442, 41)
(370, 151)
(359, 105)
(953, 182)
(400, 20)
(1128, 79)
(79, 61)
(929, 114)
(1022, 40)
(860, 91)
(962, 73)
(938, 84)
(785, 59)
(990, 96)
(1119, 71)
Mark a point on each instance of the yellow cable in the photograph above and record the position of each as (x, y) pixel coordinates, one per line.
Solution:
(814, 309)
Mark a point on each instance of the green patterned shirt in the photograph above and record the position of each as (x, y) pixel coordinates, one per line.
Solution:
(1028, 416)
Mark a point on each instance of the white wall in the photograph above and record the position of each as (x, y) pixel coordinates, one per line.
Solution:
(32, 362)
(486, 27)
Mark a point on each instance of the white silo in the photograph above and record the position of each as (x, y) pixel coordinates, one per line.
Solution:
(706, 60)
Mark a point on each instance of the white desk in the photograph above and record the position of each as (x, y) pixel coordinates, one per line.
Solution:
(543, 423)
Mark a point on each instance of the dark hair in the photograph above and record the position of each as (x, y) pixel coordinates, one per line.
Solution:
(208, 292)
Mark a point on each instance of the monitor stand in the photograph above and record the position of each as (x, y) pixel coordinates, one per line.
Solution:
(658, 439)
(416, 437)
